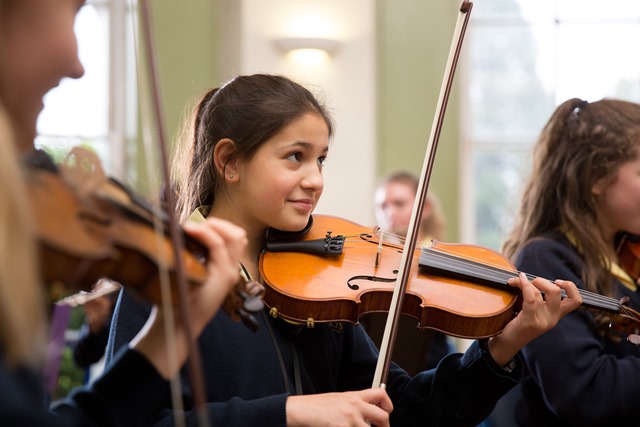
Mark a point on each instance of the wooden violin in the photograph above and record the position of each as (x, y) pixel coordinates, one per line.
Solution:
(90, 227)
(629, 255)
(338, 270)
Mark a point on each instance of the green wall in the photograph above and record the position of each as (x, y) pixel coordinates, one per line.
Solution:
(187, 54)
(414, 37)
(187, 44)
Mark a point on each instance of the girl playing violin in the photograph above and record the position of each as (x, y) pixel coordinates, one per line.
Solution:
(38, 49)
(254, 155)
(583, 192)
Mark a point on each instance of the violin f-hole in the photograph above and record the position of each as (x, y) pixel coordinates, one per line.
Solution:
(355, 287)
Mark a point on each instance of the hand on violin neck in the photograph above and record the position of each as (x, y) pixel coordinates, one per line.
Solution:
(225, 243)
(542, 308)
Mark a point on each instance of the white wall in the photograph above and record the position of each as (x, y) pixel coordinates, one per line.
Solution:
(346, 80)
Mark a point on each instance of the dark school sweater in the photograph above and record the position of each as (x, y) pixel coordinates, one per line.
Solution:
(246, 387)
(574, 376)
(127, 395)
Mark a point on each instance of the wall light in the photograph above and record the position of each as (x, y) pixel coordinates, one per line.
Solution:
(307, 50)
(294, 43)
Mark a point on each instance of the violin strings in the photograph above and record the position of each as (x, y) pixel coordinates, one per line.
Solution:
(629, 312)
(398, 239)
(388, 244)
(384, 237)
(588, 297)
(499, 273)
(450, 261)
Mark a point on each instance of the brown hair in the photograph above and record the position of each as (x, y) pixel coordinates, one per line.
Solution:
(581, 144)
(248, 110)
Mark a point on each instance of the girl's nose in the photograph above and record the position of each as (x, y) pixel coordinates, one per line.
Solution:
(77, 69)
(314, 179)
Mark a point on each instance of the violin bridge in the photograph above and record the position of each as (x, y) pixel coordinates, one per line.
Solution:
(378, 254)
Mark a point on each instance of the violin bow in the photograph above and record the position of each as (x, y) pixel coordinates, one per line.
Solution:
(391, 326)
(194, 361)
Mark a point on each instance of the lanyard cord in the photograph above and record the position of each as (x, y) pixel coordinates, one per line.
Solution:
(294, 351)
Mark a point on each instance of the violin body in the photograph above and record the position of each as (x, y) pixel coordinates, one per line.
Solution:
(85, 239)
(315, 287)
(629, 255)
(105, 231)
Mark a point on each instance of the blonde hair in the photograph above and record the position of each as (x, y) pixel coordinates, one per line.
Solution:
(22, 334)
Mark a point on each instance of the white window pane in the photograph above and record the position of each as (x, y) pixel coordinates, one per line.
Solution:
(497, 179)
(527, 10)
(598, 61)
(598, 10)
(509, 95)
(78, 109)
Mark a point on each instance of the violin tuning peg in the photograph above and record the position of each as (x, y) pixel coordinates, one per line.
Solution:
(254, 288)
(252, 297)
(634, 339)
(253, 304)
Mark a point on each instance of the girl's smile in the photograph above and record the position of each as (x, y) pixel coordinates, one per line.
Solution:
(305, 205)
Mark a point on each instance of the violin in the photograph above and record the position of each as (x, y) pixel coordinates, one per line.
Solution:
(90, 227)
(337, 270)
(629, 255)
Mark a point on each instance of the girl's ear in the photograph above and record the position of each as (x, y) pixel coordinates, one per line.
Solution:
(598, 187)
(224, 160)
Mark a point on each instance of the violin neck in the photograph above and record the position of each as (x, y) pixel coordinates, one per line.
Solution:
(433, 261)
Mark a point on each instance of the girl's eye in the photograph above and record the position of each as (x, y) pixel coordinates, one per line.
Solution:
(295, 157)
(321, 160)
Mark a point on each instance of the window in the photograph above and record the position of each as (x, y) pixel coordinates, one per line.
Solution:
(97, 110)
(525, 58)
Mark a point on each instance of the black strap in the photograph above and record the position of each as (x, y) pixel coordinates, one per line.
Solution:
(294, 352)
(296, 367)
(283, 368)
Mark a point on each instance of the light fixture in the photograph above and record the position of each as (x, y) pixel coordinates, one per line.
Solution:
(289, 44)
